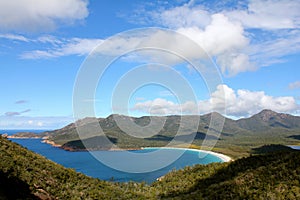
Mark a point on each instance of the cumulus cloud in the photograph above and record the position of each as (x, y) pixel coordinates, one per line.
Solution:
(240, 103)
(227, 34)
(31, 15)
(219, 37)
(294, 85)
(245, 102)
(183, 16)
(234, 63)
(225, 41)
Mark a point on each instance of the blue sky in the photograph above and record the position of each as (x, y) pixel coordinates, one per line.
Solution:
(43, 48)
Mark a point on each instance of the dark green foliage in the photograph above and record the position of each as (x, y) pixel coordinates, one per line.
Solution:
(271, 148)
(46, 179)
(97, 142)
(13, 188)
(272, 176)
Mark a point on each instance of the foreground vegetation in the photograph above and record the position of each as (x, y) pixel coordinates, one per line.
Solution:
(26, 175)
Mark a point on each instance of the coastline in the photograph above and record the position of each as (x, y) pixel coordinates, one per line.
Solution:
(21, 137)
(223, 157)
(50, 142)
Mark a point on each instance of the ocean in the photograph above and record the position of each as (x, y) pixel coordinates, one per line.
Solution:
(86, 163)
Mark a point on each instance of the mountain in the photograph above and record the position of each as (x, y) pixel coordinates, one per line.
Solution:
(26, 175)
(236, 139)
(268, 119)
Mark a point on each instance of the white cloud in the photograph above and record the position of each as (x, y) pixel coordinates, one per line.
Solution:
(270, 51)
(183, 16)
(222, 34)
(294, 85)
(234, 63)
(14, 37)
(55, 47)
(225, 41)
(80, 46)
(240, 103)
(243, 103)
(221, 39)
(49, 39)
(228, 35)
(63, 47)
(31, 15)
(269, 14)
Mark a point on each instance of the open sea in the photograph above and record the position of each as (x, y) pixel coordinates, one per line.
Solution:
(86, 163)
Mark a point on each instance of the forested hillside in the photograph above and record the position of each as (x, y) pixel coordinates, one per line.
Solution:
(26, 175)
(237, 138)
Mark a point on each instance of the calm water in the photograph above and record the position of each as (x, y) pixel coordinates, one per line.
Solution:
(84, 162)
(294, 147)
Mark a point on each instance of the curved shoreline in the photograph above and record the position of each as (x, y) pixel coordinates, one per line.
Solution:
(223, 157)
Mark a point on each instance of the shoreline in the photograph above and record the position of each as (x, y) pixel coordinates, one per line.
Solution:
(21, 137)
(51, 143)
(223, 157)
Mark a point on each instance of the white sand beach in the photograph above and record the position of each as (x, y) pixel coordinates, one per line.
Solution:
(223, 157)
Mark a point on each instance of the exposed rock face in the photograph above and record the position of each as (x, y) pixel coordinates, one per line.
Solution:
(268, 115)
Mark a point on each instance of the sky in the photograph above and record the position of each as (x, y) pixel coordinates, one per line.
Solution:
(247, 56)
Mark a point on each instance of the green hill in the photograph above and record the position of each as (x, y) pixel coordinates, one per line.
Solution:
(26, 175)
(237, 138)
(271, 176)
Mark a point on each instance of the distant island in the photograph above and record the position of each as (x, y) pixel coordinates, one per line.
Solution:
(24, 135)
(237, 139)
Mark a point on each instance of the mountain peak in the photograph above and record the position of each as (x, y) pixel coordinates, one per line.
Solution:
(267, 115)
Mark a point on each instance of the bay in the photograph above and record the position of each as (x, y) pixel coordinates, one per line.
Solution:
(87, 164)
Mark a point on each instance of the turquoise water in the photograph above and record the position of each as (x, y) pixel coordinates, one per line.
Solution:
(85, 163)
